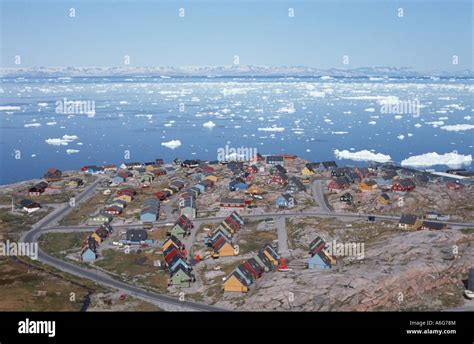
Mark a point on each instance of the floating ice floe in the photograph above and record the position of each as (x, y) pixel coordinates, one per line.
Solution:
(372, 123)
(171, 144)
(339, 132)
(32, 125)
(10, 108)
(209, 125)
(363, 155)
(370, 110)
(317, 94)
(436, 124)
(273, 128)
(51, 123)
(64, 141)
(458, 127)
(287, 109)
(401, 137)
(452, 159)
(72, 151)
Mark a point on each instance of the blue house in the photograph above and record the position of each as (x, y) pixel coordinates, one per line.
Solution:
(88, 255)
(200, 187)
(383, 181)
(320, 260)
(285, 201)
(117, 180)
(237, 184)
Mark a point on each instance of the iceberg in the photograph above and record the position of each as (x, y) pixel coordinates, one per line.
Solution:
(363, 155)
(452, 159)
(171, 144)
(209, 125)
(458, 127)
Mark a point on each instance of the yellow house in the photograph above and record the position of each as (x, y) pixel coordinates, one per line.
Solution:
(212, 178)
(307, 172)
(97, 238)
(227, 227)
(126, 198)
(383, 199)
(331, 259)
(225, 249)
(409, 222)
(254, 189)
(169, 190)
(167, 244)
(235, 283)
(270, 258)
(150, 168)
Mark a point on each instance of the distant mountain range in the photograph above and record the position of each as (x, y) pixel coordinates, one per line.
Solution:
(223, 71)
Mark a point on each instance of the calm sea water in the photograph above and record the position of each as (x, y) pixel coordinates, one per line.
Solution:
(310, 117)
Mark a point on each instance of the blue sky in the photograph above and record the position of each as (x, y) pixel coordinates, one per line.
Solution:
(260, 32)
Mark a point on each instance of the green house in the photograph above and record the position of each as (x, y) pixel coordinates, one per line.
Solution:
(181, 278)
(178, 231)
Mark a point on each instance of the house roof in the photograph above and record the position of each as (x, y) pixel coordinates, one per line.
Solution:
(408, 219)
(221, 241)
(434, 225)
(254, 264)
(175, 240)
(136, 234)
(180, 267)
(233, 200)
(316, 245)
(244, 271)
(239, 277)
(271, 251)
(298, 183)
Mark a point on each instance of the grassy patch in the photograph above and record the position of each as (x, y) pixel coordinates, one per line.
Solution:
(13, 224)
(26, 289)
(136, 266)
(252, 241)
(467, 230)
(59, 244)
(84, 210)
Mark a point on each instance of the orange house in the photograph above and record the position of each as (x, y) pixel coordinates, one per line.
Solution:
(368, 185)
(235, 283)
(97, 238)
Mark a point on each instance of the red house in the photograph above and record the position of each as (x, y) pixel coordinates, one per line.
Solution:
(232, 203)
(403, 185)
(337, 184)
(253, 267)
(185, 222)
(129, 192)
(170, 252)
(114, 211)
(161, 195)
(454, 186)
(280, 178)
